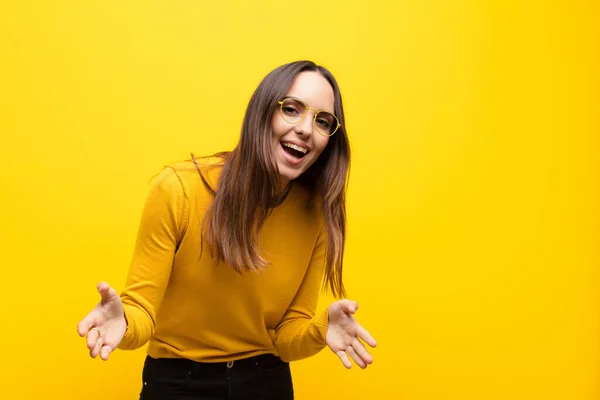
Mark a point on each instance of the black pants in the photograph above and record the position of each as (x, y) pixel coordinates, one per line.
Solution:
(263, 377)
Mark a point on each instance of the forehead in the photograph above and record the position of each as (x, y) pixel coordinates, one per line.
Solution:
(312, 88)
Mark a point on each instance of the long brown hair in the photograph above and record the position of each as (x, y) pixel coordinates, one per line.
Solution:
(249, 185)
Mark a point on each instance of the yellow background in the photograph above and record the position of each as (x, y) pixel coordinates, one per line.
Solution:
(474, 229)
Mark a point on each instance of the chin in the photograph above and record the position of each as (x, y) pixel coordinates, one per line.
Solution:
(289, 177)
(287, 173)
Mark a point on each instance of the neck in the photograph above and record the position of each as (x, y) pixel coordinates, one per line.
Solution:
(285, 187)
(283, 183)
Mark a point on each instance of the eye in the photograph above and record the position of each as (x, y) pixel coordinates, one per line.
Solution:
(323, 123)
(290, 110)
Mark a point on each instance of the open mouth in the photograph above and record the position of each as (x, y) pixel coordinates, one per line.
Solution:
(293, 150)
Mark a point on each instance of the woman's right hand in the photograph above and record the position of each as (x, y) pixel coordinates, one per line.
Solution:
(105, 326)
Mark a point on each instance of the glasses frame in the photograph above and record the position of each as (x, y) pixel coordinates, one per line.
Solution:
(280, 102)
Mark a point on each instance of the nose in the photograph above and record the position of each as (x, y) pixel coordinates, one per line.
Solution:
(306, 126)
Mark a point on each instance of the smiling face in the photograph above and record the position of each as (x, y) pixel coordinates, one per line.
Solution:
(296, 146)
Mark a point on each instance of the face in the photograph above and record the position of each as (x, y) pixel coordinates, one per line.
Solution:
(296, 147)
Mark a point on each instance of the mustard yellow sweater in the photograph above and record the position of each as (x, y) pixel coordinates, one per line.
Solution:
(185, 306)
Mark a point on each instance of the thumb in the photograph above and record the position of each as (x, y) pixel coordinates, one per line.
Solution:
(106, 292)
(349, 306)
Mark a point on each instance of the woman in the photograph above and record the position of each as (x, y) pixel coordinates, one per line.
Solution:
(232, 251)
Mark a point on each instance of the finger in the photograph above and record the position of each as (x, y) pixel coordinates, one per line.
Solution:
(344, 357)
(359, 348)
(105, 352)
(349, 306)
(366, 336)
(92, 338)
(359, 361)
(94, 352)
(92, 319)
(106, 292)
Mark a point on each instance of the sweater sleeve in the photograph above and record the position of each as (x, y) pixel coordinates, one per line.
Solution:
(163, 223)
(301, 332)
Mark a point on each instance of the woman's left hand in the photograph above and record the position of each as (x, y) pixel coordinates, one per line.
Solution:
(344, 334)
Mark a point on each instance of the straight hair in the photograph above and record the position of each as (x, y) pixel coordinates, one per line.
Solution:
(249, 184)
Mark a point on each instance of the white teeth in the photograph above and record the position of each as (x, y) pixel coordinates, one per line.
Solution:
(298, 148)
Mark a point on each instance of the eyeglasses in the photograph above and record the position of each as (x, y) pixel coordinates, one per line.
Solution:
(294, 111)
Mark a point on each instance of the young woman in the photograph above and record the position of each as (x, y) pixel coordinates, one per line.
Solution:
(233, 250)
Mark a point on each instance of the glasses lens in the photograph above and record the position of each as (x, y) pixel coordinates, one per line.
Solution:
(292, 110)
(326, 123)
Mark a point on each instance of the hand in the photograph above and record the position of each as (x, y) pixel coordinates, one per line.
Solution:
(344, 334)
(105, 325)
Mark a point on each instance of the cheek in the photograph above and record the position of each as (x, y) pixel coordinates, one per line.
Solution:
(320, 142)
(277, 130)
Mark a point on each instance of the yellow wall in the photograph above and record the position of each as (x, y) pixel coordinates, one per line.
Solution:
(473, 205)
